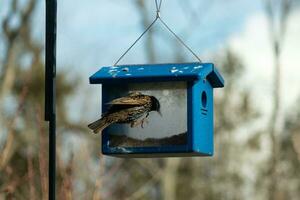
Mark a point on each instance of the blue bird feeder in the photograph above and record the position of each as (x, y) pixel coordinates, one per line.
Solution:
(185, 93)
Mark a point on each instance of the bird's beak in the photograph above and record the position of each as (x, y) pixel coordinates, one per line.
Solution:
(160, 113)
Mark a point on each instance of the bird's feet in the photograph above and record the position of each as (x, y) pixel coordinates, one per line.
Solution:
(143, 121)
(137, 123)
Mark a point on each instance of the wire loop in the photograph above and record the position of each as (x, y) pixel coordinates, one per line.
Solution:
(158, 7)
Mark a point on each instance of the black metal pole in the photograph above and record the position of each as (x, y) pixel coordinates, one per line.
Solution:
(50, 90)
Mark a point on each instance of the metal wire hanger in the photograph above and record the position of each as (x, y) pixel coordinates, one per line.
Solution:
(158, 17)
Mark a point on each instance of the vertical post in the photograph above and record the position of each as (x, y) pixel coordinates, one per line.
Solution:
(50, 90)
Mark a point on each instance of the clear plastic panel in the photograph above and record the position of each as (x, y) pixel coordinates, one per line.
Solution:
(157, 130)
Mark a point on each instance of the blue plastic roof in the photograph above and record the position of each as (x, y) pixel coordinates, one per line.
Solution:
(158, 72)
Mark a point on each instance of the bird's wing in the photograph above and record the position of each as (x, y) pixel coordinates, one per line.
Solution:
(129, 100)
(129, 114)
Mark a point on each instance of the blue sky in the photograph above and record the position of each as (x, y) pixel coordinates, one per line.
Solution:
(96, 33)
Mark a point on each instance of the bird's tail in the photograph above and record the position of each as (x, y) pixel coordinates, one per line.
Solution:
(99, 125)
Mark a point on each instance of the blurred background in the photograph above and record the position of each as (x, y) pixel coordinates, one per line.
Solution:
(255, 44)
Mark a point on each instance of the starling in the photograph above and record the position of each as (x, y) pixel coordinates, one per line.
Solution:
(128, 109)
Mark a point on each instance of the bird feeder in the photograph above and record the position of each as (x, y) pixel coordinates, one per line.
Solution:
(185, 93)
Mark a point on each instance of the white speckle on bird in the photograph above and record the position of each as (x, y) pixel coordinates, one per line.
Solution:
(180, 71)
(186, 68)
(113, 67)
(141, 68)
(125, 69)
(128, 74)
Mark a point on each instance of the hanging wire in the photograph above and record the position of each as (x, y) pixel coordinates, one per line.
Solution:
(136, 41)
(179, 39)
(158, 6)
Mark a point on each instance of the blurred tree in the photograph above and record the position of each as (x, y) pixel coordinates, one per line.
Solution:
(277, 12)
(146, 20)
(23, 157)
(289, 155)
(221, 177)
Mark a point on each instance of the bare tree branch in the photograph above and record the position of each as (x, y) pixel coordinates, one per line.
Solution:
(32, 190)
(145, 23)
(99, 181)
(11, 34)
(277, 18)
(7, 151)
(42, 154)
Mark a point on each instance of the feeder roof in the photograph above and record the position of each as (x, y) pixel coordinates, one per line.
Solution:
(158, 72)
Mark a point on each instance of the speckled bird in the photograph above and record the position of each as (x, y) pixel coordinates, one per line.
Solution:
(128, 109)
